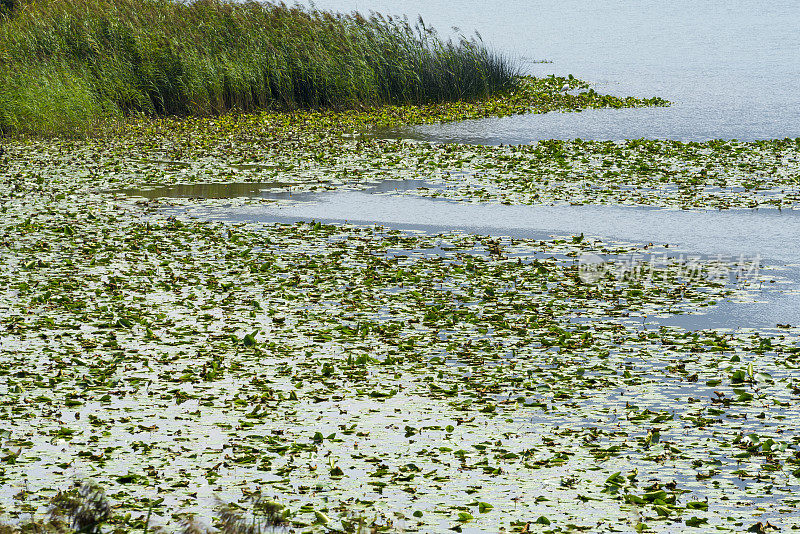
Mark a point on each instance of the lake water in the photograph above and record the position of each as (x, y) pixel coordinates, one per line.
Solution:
(765, 237)
(730, 68)
(766, 233)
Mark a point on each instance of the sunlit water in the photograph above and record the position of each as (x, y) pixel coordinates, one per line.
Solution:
(767, 233)
(765, 237)
(730, 68)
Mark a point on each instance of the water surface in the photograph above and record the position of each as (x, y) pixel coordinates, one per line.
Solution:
(730, 69)
(755, 237)
(768, 233)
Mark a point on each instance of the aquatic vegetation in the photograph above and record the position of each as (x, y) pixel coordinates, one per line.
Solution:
(85, 508)
(715, 174)
(7, 6)
(72, 69)
(97, 60)
(427, 381)
(530, 95)
(663, 173)
(346, 378)
(314, 149)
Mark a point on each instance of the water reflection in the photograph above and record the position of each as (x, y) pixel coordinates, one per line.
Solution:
(205, 190)
(271, 190)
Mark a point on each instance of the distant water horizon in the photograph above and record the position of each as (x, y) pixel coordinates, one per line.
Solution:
(730, 69)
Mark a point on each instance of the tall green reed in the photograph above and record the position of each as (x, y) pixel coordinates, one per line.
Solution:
(66, 65)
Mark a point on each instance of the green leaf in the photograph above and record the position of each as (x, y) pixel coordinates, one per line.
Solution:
(653, 495)
(250, 339)
(663, 511)
(696, 522)
(634, 499)
(337, 472)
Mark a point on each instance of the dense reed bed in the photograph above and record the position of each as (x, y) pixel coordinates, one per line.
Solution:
(65, 65)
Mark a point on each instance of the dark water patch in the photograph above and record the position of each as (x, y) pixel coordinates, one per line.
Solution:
(269, 190)
(236, 190)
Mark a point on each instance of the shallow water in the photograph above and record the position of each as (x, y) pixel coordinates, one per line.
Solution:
(272, 190)
(729, 69)
(206, 190)
(767, 233)
(762, 237)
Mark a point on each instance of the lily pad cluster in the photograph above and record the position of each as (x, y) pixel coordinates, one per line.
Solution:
(367, 376)
(531, 95)
(661, 173)
(420, 381)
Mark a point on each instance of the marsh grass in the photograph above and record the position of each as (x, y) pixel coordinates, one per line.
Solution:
(65, 65)
(7, 6)
(85, 509)
(265, 516)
